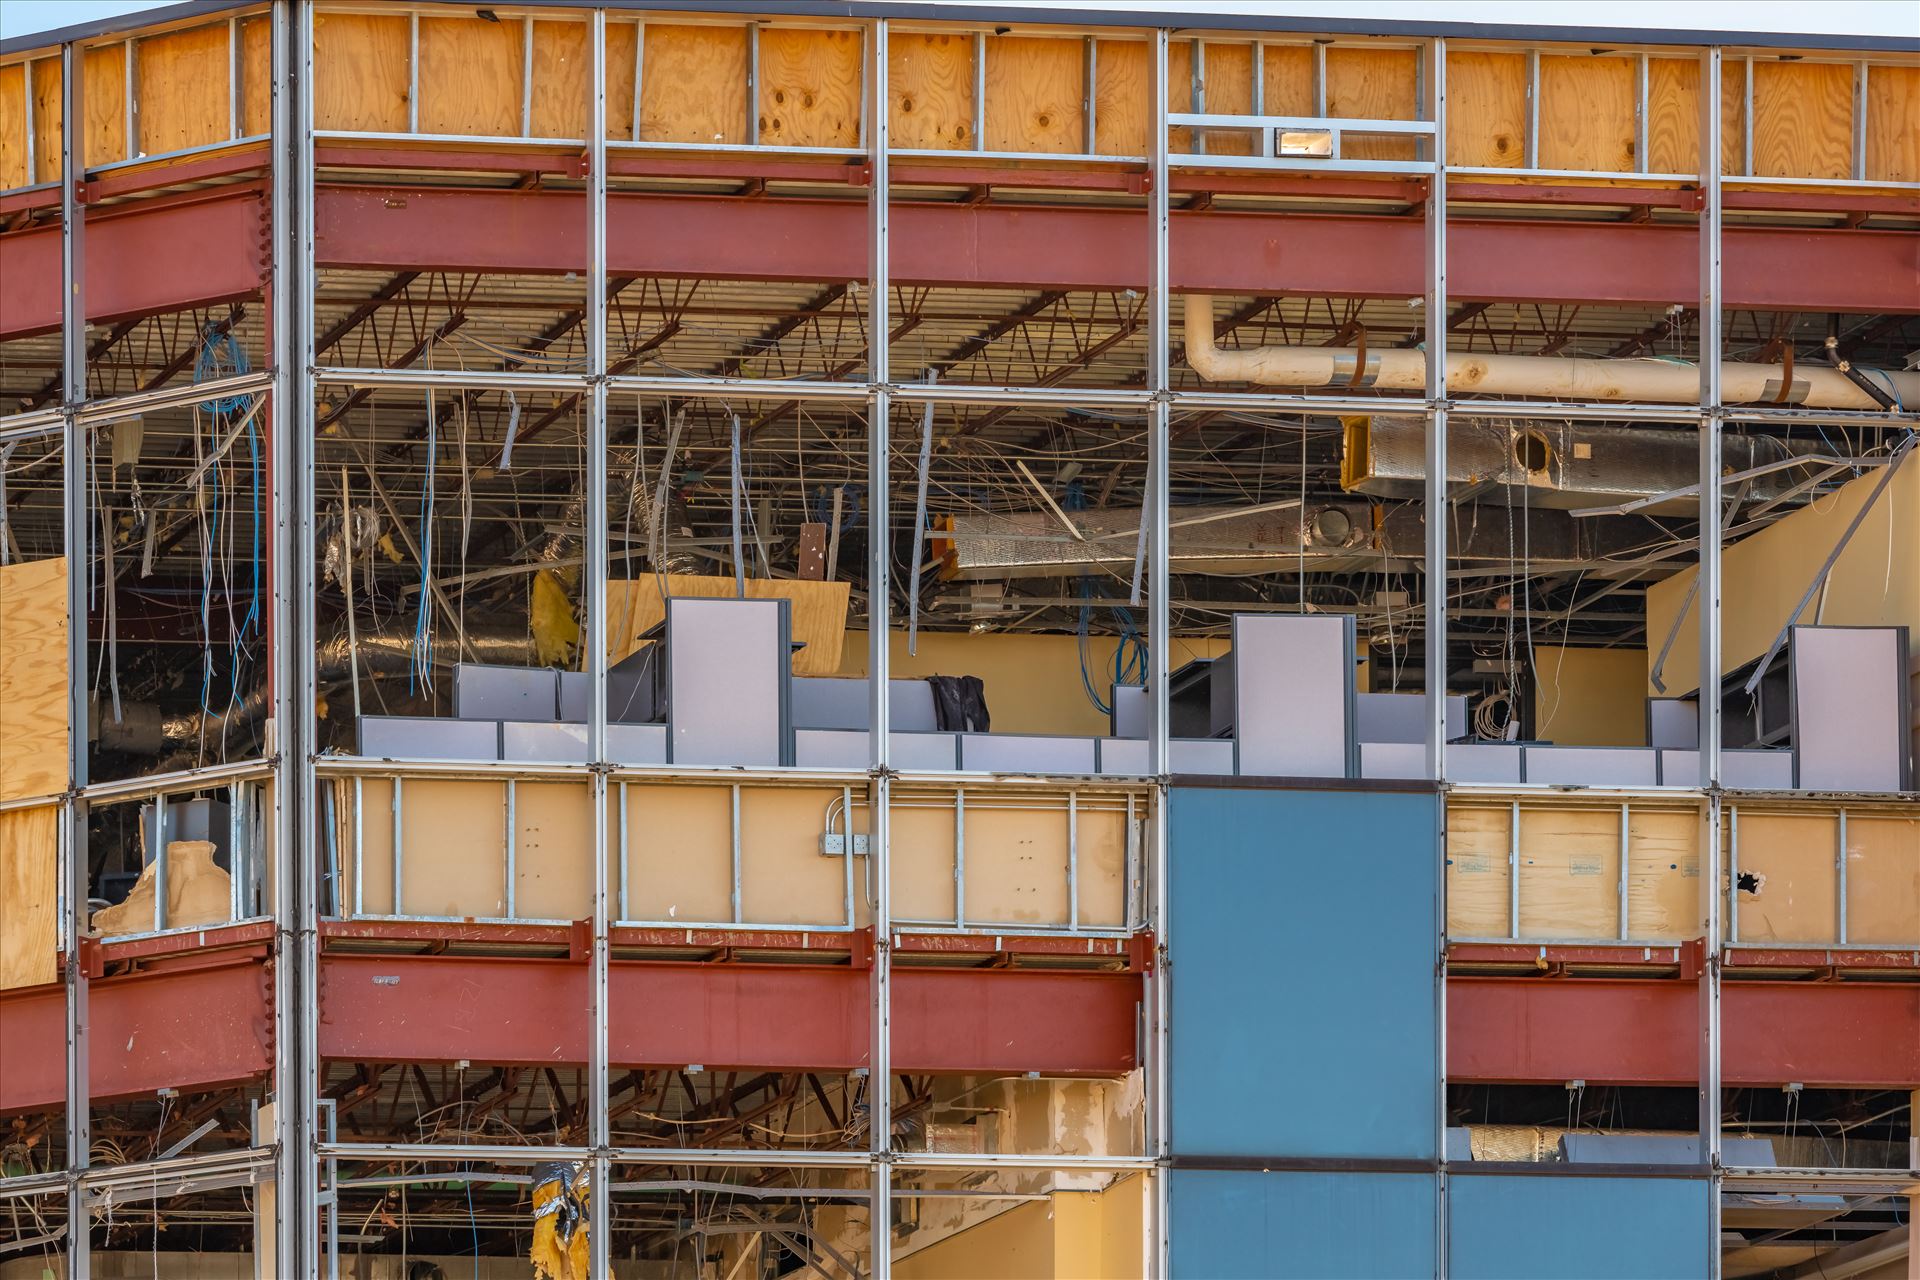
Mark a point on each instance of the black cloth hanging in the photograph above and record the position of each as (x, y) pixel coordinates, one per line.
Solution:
(960, 704)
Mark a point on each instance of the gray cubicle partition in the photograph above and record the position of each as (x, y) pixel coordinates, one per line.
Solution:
(1852, 722)
(1293, 695)
(729, 674)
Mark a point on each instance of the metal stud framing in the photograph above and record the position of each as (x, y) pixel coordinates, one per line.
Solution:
(299, 1156)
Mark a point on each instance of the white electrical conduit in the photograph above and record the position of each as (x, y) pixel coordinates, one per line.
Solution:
(1551, 377)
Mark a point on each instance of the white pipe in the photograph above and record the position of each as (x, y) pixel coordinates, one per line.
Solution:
(1549, 377)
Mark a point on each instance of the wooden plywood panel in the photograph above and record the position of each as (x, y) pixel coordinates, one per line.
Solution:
(13, 127)
(809, 87)
(1179, 94)
(105, 89)
(552, 851)
(1227, 89)
(679, 853)
(1035, 95)
(922, 838)
(819, 612)
(1120, 97)
(1569, 873)
(622, 37)
(256, 76)
(784, 877)
(29, 896)
(1663, 874)
(1478, 873)
(1487, 110)
(45, 78)
(1587, 114)
(1287, 84)
(1016, 866)
(361, 73)
(1374, 84)
(561, 79)
(181, 86)
(693, 84)
(1673, 115)
(471, 74)
(1893, 124)
(1802, 120)
(1883, 879)
(930, 90)
(373, 862)
(453, 838)
(33, 678)
(1102, 866)
(1791, 856)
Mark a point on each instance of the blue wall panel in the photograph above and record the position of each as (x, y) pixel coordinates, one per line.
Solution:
(1547, 1227)
(1304, 938)
(1310, 1226)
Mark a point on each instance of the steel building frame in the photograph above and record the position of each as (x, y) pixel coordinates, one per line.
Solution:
(299, 1152)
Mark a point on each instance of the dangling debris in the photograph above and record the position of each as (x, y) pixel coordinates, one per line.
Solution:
(559, 1249)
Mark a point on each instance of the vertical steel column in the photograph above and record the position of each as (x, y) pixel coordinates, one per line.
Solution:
(295, 1082)
(879, 720)
(77, 448)
(1159, 635)
(1436, 347)
(595, 570)
(1708, 608)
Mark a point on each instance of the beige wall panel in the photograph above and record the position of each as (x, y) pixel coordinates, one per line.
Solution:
(1883, 879)
(470, 76)
(180, 85)
(621, 39)
(33, 678)
(1478, 874)
(454, 848)
(784, 878)
(376, 846)
(693, 84)
(1102, 867)
(819, 614)
(1793, 856)
(29, 896)
(809, 87)
(562, 80)
(1035, 91)
(13, 127)
(361, 76)
(1663, 874)
(930, 90)
(1016, 865)
(553, 851)
(1486, 110)
(922, 861)
(1893, 124)
(106, 94)
(1569, 873)
(1802, 119)
(1374, 84)
(679, 853)
(1590, 697)
(1587, 114)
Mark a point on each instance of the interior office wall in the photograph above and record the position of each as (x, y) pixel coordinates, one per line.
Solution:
(1590, 697)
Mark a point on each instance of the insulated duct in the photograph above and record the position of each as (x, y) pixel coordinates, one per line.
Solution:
(1546, 377)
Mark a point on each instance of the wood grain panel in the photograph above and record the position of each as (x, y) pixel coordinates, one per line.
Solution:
(1733, 116)
(1035, 88)
(46, 78)
(1673, 115)
(1486, 110)
(809, 87)
(470, 77)
(819, 612)
(930, 90)
(1374, 84)
(181, 87)
(1228, 90)
(13, 127)
(1663, 874)
(1478, 874)
(1120, 97)
(33, 678)
(1802, 120)
(1287, 84)
(29, 896)
(1893, 124)
(693, 84)
(621, 39)
(360, 72)
(1569, 873)
(1587, 115)
(105, 89)
(1791, 856)
(561, 79)
(256, 76)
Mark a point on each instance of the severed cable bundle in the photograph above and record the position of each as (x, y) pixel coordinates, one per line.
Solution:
(559, 1249)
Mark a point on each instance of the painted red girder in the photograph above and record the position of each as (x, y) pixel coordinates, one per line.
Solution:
(141, 259)
(1089, 247)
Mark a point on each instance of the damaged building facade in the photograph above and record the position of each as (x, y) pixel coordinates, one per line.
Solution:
(876, 640)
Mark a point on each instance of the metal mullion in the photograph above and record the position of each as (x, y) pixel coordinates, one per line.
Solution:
(1746, 123)
(753, 84)
(639, 67)
(413, 71)
(1641, 90)
(1090, 101)
(131, 104)
(1159, 634)
(1435, 303)
(1859, 169)
(1513, 870)
(1320, 79)
(526, 76)
(1073, 860)
(1733, 873)
(1626, 837)
(879, 718)
(1197, 92)
(233, 80)
(1840, 879)
(508, 840)
(1530, 147)
(960, 858)
(159, 852)
(733, 812)
(979, 91)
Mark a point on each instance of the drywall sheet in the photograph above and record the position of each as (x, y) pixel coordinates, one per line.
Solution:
(1304, 873)
(33, 678)
(1849, 704)
(1301, 1226)
(1560, 1227)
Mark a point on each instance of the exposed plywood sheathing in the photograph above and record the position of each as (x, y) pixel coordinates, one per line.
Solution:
(1569, 872)
(182, 81)
(1673, 115)
(45, 80)
(1479, 875)
(930, 87)
(33, 678)
(105, 93)
(1287, 81)
(256, 77)
(1120, 97)
(819, 612)
(1374, 84)
(1487, 110)
(1893, 124)
(694, 85)
(470, 76)
(809, 88)
(621, 38)
(559, 103)
(362, 76)
(1035, 95)
(29, 894)
(1587, 113)
(1228, 90)
(1803, 119)
(13, 127)
(1663, 873)
(1792, 857)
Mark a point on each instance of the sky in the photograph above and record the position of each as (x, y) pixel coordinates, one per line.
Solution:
(1841, 17)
